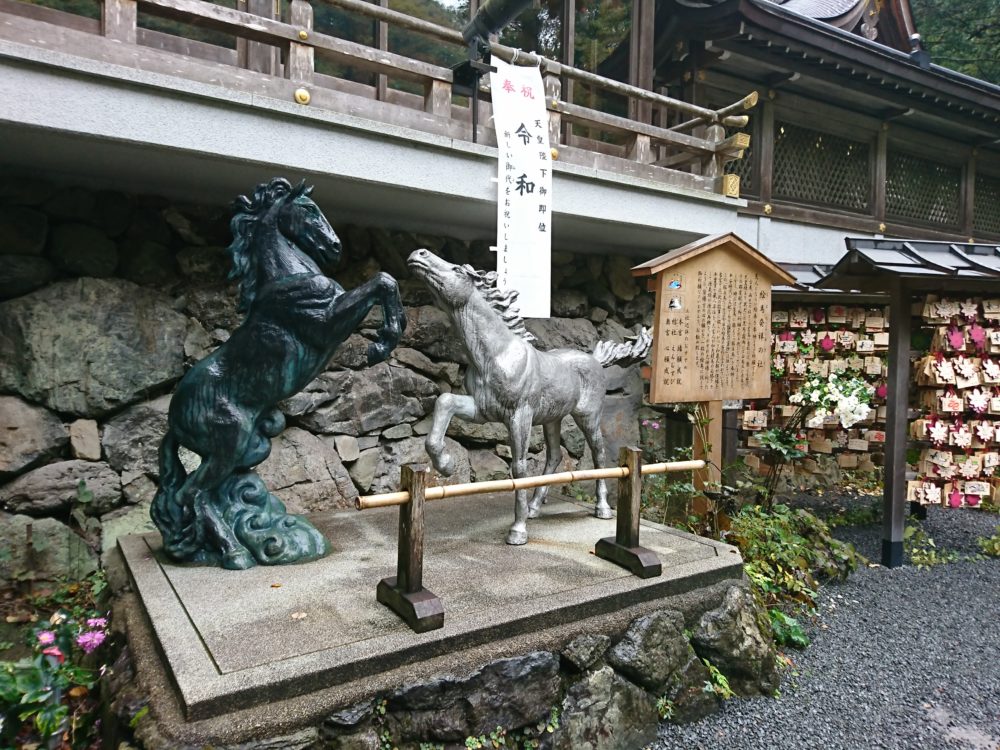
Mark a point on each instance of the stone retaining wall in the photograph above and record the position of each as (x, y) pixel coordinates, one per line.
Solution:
(608, 689)
(107, 298)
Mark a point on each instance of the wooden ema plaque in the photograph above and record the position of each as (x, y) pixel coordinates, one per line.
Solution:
(712, 323)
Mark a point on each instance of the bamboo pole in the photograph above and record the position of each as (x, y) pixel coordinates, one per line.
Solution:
(509, 485)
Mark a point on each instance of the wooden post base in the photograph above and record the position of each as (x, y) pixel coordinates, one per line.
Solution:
(639, 561)
(421, 610)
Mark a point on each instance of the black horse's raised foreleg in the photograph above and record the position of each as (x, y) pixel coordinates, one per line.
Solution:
(347, 311)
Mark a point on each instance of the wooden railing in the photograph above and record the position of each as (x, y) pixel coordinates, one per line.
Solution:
(422, 610)
(278, 58)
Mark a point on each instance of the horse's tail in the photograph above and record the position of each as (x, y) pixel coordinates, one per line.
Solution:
(170, 516)
(628, 353)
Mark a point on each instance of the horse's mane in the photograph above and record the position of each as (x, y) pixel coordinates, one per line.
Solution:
(504, 303)
(245, 220)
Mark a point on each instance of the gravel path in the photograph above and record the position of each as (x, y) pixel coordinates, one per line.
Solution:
(903, 658)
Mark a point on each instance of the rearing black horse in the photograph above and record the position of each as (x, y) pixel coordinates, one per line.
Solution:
(224, 409)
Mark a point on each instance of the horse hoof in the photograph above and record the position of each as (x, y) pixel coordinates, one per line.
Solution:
(376, 353)
(533, 511)
(239, 560)
(604, 512)
(517, 538)
(445, 465)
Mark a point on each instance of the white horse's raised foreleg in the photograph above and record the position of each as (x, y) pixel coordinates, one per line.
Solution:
(553, 455)
(448, 405)
(519, 428)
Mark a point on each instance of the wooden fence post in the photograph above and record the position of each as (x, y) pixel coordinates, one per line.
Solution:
(553, 93)
(404, 593)
(118, 20)
(301, 57)
(624, 548)
(256, 56)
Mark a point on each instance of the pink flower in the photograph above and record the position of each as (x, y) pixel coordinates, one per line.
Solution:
(655, 425)
(46, 637)
(97, 622)
(54, 651)
(90, 640)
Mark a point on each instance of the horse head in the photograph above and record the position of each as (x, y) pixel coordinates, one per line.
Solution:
(290, 210)
(451, 285)
(300, 220)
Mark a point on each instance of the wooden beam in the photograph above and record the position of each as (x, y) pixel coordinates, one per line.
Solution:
(894, 494)
(878, 166)
(765, 151)
(640, 58)
(382, 42)
(968, 197)
(262, 58)
(569, 59)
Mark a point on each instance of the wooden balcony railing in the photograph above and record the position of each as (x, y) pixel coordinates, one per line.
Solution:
(277, 58)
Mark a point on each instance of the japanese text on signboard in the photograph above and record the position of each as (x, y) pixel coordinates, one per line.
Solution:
(524, 186)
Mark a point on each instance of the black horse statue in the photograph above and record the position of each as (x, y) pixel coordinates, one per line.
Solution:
(225, 407)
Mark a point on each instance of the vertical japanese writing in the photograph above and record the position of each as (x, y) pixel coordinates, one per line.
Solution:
(524, 205)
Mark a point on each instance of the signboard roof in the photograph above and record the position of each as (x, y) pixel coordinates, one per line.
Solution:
(770, 269)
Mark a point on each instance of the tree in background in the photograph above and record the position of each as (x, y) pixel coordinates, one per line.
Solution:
(963, 35)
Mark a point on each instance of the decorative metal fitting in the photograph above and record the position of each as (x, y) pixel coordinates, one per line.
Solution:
(768, 208)
(302, 96)
(303, 35)
(555, 154)
(881, 226)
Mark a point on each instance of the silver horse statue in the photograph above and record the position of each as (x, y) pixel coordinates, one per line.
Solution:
(508, 380)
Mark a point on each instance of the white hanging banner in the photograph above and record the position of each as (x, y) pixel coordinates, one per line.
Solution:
(524, 186)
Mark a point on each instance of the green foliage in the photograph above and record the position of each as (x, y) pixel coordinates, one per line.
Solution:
(963, 36)
(862, 515)
(134, 721)
(787, 630)
(46, 698)
(786, 552)
(717, 682)
(665, 708)
(990, 545)
(781, 442)
(922, 550)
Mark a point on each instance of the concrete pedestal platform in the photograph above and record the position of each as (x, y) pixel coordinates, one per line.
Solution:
(233, 640)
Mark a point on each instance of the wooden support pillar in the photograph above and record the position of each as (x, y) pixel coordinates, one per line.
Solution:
(730, 440)
(437, 98)
(969, 196)
(897, 408)
(708, 444)
(623, 549)
(262, 58)
(640, 56)
(301, 57)
(568, 58)
(404, 593)
(553, 93)
(118, 20)
(879, 173)
(382, 42)
(764, 150)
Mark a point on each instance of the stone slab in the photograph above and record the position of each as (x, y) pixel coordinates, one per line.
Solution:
(233, 639)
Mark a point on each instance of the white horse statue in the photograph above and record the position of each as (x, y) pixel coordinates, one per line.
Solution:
(508, 380)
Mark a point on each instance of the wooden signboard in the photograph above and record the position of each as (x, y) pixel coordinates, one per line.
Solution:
(712, 323)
